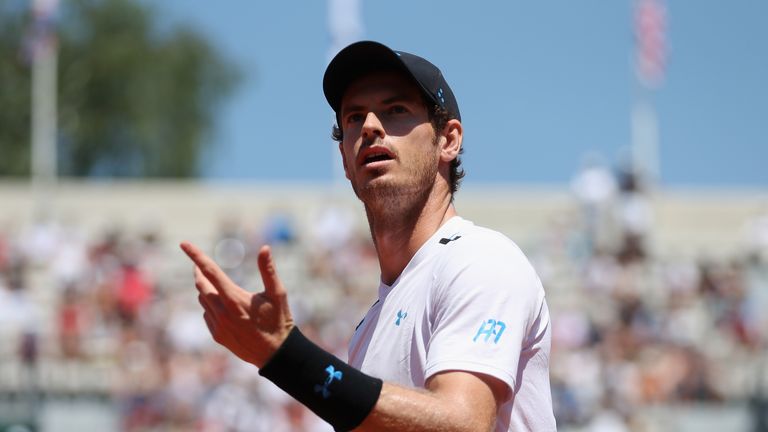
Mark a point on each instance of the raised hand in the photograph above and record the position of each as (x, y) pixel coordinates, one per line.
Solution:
(250, 325)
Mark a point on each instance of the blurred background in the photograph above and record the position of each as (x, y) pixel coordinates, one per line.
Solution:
(623, 145)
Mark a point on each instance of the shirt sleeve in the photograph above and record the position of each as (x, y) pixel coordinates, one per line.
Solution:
(483, 310)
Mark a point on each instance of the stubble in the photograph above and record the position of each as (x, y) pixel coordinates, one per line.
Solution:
(397, 203)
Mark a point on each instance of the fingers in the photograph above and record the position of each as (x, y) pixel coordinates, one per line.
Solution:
(209, 298)
(210, 323)
(215, 328)
(211, 272)
(273, 287)
(203, 285)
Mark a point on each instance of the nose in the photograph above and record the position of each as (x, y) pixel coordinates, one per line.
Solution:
(372, 127)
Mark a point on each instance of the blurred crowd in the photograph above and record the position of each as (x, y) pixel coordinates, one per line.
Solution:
(115, 316)
(632, 326)
(637, 326)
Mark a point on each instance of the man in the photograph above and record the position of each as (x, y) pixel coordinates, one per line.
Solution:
(459, 337)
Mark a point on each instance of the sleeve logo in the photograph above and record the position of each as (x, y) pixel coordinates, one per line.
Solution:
(490, 328)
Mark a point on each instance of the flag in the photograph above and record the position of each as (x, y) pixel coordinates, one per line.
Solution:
(42, 40)
(650, 34)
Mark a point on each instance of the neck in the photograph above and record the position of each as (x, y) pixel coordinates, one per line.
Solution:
(399, 231)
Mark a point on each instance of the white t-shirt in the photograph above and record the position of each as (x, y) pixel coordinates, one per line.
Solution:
(468, 300)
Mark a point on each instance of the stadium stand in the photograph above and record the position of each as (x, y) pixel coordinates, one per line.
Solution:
(656, 301)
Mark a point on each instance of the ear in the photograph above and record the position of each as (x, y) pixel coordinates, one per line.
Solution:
(344, 161)
(450, 145)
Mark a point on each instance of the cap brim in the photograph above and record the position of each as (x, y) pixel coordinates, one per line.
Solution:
(355, 61)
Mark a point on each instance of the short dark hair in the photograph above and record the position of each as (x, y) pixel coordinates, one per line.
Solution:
(438, 117)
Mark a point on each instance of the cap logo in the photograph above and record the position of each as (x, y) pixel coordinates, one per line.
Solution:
(440, 96)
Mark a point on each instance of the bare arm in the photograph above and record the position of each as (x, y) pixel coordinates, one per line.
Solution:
(253, 326)
(453, 401)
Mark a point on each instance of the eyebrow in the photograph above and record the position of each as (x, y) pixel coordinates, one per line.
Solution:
(396, 98)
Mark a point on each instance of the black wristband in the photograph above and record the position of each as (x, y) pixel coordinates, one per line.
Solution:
(338, 393)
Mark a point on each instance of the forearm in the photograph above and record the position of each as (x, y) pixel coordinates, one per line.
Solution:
(348, 398)
(404, 410)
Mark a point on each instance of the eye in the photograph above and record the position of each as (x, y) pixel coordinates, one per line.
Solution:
(398, 109)
(353, 118)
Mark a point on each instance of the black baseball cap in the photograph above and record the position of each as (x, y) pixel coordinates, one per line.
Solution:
(366, 57)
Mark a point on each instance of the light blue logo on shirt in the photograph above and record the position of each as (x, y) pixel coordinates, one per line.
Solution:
(400, 316)
(490, 328)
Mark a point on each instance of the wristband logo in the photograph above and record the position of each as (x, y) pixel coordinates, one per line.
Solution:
(489, 328)
(333, 374)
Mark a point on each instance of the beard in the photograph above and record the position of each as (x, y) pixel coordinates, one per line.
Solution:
(392, 201)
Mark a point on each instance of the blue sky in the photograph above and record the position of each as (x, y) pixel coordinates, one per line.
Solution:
(539, 85)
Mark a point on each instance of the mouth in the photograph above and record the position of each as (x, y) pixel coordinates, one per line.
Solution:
(375, 156)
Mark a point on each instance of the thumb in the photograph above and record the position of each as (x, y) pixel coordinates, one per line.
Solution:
(273, 287)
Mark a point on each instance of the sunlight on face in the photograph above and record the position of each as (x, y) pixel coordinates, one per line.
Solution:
(386, 111)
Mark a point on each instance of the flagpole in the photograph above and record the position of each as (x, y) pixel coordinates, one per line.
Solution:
(345, 25)
(650, 33)
(44, 114)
